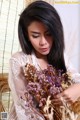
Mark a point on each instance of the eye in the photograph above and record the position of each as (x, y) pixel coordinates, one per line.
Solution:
(35, 36)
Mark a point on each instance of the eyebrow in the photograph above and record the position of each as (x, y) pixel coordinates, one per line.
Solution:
(39, 32)
(35, 32)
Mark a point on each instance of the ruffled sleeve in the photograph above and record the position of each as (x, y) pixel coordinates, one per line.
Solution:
(17, 85)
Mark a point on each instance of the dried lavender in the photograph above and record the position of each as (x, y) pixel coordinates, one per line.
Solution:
(43, 85)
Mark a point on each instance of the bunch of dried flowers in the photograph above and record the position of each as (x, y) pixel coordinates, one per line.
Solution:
(43, 85)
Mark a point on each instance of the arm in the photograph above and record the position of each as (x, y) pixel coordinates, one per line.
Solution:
(17, 85)
(73, 72)
(72, 93)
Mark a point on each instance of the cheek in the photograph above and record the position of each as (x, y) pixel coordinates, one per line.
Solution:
(50, 42)
(33, 42)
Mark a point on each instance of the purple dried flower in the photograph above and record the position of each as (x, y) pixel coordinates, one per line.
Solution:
(44, 83)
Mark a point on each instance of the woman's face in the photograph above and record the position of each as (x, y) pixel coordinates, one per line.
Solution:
(40, 38)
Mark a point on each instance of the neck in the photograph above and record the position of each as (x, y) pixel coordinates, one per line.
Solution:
(41, 60)
(40, 56)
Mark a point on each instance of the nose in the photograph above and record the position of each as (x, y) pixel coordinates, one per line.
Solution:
(43, 41)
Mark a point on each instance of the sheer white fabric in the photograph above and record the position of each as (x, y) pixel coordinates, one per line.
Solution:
(20, 109)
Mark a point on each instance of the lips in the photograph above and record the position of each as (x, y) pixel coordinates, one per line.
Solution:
(44, 49)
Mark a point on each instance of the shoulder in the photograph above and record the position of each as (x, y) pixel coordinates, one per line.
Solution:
(19, 57)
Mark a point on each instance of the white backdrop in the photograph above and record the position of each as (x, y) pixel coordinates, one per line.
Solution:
(70, 17)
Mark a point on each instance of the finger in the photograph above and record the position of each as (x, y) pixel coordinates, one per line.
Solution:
(58, 96)
(67, 98)
(57, 102)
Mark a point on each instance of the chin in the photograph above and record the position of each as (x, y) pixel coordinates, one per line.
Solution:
(45, 53)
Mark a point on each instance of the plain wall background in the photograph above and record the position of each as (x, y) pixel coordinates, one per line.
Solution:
(70, 17)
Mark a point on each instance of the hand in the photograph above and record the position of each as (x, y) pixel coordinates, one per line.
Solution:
(60, 99)
(70, 95)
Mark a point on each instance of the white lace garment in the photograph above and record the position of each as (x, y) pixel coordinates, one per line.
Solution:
(20, 109)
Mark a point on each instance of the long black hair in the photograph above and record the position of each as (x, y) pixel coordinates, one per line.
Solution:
(47, 14)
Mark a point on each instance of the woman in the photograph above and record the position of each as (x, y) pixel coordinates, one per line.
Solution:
(42, 41)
